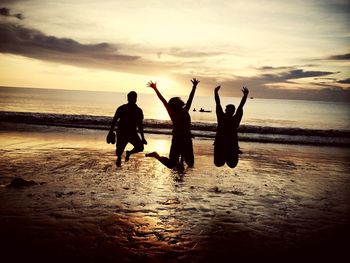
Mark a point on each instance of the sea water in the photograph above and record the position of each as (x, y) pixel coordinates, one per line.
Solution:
(324, 115)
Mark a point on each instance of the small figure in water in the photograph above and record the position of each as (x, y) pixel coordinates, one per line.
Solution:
(226, 147)
(181, 143)
(130, 118)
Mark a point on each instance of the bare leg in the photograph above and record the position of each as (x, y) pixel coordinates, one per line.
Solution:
(135, 150)
(164, 160)
(138, 147)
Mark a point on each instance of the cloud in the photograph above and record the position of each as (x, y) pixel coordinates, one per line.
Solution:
(277, 86)
(271, 68)
(290, 75)
(261, 89)
(185, 53)
(340, 57)
(280, 86)
(344, 81)
(339, 6)
(177, 52)
(12, 1)
(267, 68)
(19, 40)
(6, 12)
(326, 79)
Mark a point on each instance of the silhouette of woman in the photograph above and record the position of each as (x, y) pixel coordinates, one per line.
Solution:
(226, 147)
(181, 144)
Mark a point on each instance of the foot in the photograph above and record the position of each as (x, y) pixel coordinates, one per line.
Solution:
(152, 154)
(127, 156)
(180, 167)
(118, 162)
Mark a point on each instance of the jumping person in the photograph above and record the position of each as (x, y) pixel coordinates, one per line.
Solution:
(130, 118)
(181, 144)
(226, 147)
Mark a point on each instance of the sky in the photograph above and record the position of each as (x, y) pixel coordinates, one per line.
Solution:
(278, 49)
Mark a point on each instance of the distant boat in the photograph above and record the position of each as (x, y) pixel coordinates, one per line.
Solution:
(203, 110)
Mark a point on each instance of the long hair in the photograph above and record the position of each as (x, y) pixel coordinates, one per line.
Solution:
(176, 104)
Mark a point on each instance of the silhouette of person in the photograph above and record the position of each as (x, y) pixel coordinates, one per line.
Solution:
(181, 149)
(130, 118)
(226, 147)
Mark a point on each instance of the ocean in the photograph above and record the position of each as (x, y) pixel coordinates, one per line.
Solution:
(264, 120)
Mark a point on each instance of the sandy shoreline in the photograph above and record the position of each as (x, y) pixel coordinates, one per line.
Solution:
(281, 201)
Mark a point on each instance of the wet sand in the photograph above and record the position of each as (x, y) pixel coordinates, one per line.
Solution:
(282, 202)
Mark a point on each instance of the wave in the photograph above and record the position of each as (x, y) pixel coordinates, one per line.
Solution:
(199, 129)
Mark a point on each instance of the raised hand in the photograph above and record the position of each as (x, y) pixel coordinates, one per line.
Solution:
(217, 88)
(152, 84)
(195, 82)
(245, 90)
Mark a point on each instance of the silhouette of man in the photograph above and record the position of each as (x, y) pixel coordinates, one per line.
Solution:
(130, 118)
(226, 147)
(181, 143)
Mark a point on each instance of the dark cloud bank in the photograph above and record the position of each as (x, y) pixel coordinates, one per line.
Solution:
(19, 40)
(340, 57)
(6, 12)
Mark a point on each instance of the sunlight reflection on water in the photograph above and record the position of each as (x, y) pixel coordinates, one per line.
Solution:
(145, 206)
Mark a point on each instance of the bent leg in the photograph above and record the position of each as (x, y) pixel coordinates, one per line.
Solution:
(138, 146)
(164, 160)
(174, 155)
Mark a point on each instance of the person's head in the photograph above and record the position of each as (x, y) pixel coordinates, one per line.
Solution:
(132, 97)
(230, 109)
(176, 104)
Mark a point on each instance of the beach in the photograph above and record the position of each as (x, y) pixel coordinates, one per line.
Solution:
(282, 202)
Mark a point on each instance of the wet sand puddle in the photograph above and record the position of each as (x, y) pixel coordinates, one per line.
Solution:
(279, 197)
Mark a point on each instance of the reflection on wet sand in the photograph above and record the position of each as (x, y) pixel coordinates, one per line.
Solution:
(279, 201)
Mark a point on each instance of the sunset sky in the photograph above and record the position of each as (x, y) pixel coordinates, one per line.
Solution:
(278, 49)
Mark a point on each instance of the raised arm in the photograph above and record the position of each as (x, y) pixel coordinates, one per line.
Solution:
(244, 98)
(153, 85)
(217, 100)
(190, 98)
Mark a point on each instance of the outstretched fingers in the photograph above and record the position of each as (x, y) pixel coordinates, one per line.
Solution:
(152, 84)
(195, 81)
(245, 90)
